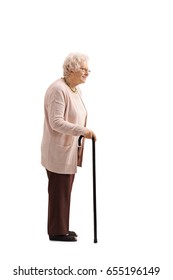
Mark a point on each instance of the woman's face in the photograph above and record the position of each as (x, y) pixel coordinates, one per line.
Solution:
(81, 75)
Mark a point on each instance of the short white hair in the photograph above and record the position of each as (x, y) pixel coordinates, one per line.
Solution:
(73, 62)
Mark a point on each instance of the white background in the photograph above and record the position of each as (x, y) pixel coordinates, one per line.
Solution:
(129, 100)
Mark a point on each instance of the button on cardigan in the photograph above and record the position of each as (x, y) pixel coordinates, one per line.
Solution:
(65, 120)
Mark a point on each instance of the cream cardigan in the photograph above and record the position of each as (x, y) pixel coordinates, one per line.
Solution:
(62, 128)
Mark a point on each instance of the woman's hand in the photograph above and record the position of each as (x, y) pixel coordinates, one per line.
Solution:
(89, 134)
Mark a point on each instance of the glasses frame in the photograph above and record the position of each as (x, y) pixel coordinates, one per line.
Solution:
(85, 70)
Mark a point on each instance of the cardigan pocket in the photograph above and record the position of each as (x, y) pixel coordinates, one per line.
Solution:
(64, 140)
(61, 154)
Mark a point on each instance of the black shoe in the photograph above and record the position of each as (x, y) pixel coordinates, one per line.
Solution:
(72, 233)
(68, 238)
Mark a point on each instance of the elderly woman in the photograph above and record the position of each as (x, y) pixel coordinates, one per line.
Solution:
(65, 120)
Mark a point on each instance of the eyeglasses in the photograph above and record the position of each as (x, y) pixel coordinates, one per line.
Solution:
(85, 70)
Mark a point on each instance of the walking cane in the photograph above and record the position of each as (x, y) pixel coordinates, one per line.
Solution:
(94, 185)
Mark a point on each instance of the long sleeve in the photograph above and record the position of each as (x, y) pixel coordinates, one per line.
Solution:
(57, 111)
